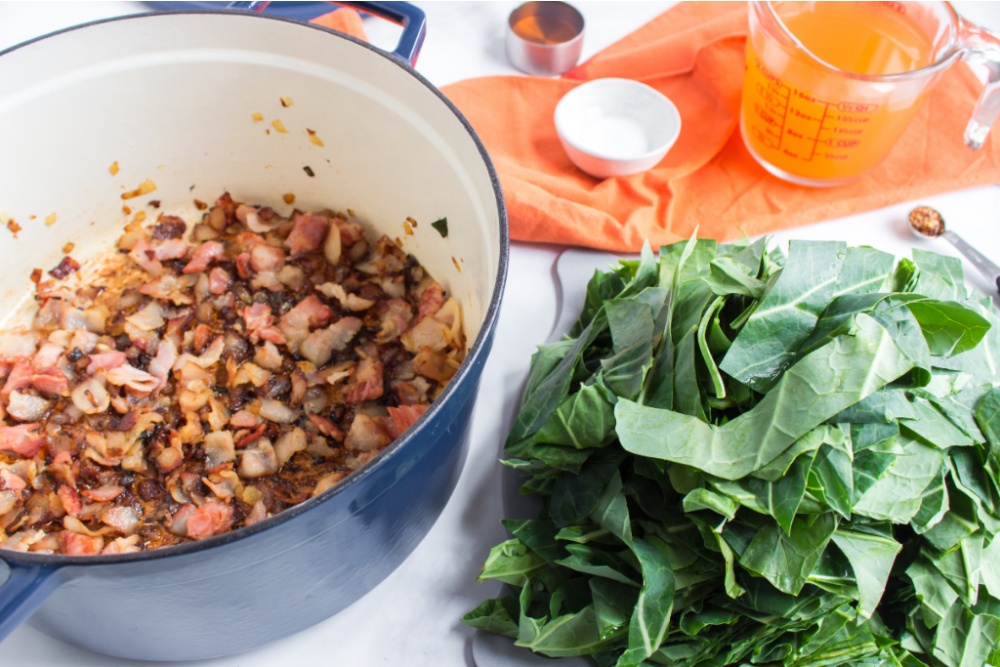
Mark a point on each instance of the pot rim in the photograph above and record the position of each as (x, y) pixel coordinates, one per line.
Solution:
(476, 350)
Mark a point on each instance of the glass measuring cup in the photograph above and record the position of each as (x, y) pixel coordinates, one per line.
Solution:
(830, 86)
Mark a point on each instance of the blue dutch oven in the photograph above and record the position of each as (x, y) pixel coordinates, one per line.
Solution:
(189, 101)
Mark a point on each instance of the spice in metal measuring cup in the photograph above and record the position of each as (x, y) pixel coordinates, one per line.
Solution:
(544, 37)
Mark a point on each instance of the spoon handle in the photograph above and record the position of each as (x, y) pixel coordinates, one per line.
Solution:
(985, 266)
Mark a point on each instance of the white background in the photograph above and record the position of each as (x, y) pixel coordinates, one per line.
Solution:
(413, 617)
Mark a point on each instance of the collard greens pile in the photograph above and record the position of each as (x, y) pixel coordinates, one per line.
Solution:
(748, 460)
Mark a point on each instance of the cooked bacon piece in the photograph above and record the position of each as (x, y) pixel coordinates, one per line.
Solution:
(268, 356)
(106, 361)
(394, 318)
(310, 313)
(203, 334)
(327, 427)
(261, 219)
(266, 257)
(404, 416)
(148, 318)
(138, 381)
(51, 381)
(257, 514)
(431, 299)
(103, 494)
(160, 365)
(48, 355)
(123, 519)
(348, 301)
(277, 412)
(308, 233)
(12, 481)
(67, 266)
(413, 392)
(366, 383)
(205, 254)
(169, 227)
(320, 345)
(70, 500)
(257, 317)
(243, 265)
(289, 444)
(219, 448)
(251, 437)
(169, 287)
(427, 333)
(367, 434)
(19, 378)
(122, 545)
(300, 385)
(170, 249)
(75, 544)
(219, 280)
(259, 460)
(313, 312)
(84, 341)
(244, 419)
(434, 365)
(144, 255)
(26, 407)
(14, 344)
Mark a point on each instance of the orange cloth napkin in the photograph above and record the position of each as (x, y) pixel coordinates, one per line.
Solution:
(694, 54)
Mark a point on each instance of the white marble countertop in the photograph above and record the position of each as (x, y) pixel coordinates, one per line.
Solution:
(413, 617)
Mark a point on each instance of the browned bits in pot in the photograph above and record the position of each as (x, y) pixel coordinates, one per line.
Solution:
(50, 219)
(169, 227)
(314, 138)
(144, 188)
(113, 169)
(927, 221)
(285, 101)
(211, 375)
(279, 126)
(309, 172)
(13, 227)
(67, 266)
(288, 198)
(68, 248)
(257, 116)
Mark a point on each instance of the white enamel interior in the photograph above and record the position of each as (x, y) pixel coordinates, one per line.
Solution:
(171, 98)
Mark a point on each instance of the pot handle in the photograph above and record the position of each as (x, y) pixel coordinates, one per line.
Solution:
(410, 17)
(25, 590)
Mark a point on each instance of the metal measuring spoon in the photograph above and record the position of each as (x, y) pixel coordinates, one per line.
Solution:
(927, 222)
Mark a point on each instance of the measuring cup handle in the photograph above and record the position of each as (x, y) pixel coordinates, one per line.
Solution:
(982, 48)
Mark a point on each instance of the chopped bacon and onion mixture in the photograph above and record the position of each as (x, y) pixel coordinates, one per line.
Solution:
(205, 381)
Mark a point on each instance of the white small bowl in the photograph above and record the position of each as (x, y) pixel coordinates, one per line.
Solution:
(616, 127)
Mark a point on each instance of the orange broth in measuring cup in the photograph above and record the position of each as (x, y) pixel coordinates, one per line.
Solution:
(809, 122)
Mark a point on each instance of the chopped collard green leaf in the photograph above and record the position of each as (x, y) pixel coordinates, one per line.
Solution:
(752, 458)
(441, 225)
